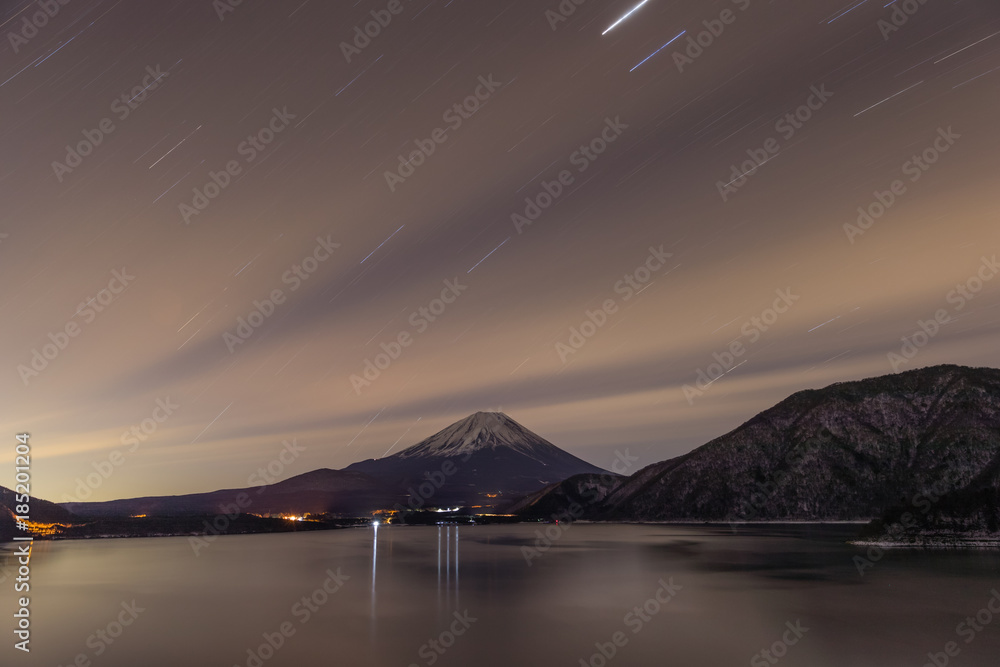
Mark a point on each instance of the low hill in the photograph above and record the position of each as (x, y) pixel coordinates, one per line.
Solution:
(317, 492)
(42, 512)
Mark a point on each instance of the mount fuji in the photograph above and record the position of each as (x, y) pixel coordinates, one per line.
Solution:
(484, 459)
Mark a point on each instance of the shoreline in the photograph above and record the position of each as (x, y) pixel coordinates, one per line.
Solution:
(931, 542)
(315, 528)
(955, 542)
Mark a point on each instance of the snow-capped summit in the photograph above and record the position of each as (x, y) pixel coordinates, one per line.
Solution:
(483, 431)
(485, 455)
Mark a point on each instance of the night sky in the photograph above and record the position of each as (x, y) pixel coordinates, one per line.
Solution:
(601, 218)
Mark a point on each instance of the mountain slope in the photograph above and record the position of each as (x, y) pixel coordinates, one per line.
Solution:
(475, 461)
(846, 452)
(41, 512)
(967, 516)
(316, 492)
(585, 491)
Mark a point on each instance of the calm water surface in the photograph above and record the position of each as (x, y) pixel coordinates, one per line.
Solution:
(471, 591)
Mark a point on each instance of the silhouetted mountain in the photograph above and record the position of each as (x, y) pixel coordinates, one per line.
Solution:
(479, 460)
(316, 492)
(587, 491)
(484, 455)
(41, 511)
(849, 451)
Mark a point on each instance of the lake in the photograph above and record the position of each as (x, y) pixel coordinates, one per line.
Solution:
(625, 595)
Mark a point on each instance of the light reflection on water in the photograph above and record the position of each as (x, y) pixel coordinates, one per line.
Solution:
(408, 585)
